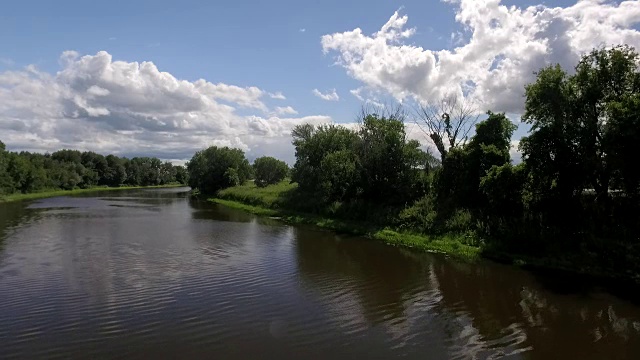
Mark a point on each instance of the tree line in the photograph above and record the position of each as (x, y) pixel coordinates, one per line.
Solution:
(26, 172)
(574, 197)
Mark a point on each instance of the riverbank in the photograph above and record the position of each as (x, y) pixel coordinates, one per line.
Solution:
(272, 201)
(269, 201)
(54, 193)
(450, 245)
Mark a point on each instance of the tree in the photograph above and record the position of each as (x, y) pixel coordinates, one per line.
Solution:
(458, 182)
(574, 123)
(64, 176)
(624, 144)
(312, 145)
(374, 164)
(68, 169)
(217, 168)
(65, 155)
(490, 144)
(502, 186)
(6, 182)
(388, 159)
(269, 170)
(340, 175)
(98, 166)
(447, 122)
(116, 173)
(167, 173)
(182, 176)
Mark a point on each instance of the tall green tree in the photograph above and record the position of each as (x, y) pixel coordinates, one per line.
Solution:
(182, 176)
(389, 160)
(217, 168)
(458, 182)
(574, 122)
(375, 164)
(312, 144)
(116, 173)
(623, 144)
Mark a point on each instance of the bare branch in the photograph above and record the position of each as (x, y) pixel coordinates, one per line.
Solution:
(447, 121)
(385, 110)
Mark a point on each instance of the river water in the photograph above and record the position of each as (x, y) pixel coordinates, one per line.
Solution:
(153, 274)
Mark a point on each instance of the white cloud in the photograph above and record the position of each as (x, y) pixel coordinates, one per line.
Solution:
(356, 93)
(285, 110)
(498, 50)
(277, 95)
(514, 151)
(303, 30)
(129, 108)
(329, 96)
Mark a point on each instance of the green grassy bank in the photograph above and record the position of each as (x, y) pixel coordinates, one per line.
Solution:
(271, 201)
(54, 193)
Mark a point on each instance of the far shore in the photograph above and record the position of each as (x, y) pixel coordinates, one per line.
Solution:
(54, 193)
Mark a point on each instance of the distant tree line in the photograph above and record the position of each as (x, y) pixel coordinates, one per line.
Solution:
(26, 172)
(575, 196)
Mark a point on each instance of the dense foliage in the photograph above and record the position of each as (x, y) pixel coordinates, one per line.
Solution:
(579, 180)
(27, 172)
(268, 170)
(574, 199)
(375, 163)
(217, 168)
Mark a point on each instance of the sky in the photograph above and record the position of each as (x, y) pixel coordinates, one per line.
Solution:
(167, 78)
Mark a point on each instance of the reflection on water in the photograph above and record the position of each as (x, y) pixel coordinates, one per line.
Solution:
(154, 274)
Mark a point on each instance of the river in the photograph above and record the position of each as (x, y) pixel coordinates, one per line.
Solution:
(154, 274)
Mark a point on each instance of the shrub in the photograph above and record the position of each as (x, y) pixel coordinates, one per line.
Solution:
(269, 171)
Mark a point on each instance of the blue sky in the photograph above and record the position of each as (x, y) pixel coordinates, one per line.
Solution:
(274, 46)
(244, 43)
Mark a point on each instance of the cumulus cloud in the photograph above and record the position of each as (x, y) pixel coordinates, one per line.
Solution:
(498, 49)
(356, 93)
(329, 96)
(129, 108)
(277, 95)
(285, 110)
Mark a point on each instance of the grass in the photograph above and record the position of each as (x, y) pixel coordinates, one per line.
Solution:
(446, 244)
(54, 193)
(271, 201)
(257, 210)
(270, 197)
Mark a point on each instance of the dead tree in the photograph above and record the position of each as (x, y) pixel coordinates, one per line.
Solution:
(447, 122)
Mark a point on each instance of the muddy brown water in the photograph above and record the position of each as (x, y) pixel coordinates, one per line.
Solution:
(153, 274)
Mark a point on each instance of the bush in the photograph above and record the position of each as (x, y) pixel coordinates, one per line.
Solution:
(269, 171)
(421, 216)
(461, 221)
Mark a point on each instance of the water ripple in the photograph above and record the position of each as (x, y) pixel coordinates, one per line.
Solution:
(146, 277)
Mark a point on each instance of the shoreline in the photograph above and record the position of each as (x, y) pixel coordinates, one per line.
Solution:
(448, 245)
(55, 193)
